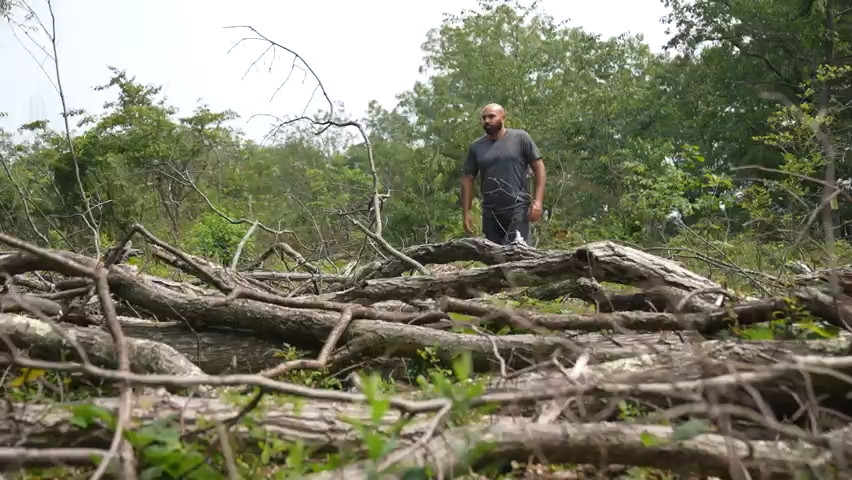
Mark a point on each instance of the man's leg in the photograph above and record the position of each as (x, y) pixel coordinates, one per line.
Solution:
(519, 221)
(494, 227)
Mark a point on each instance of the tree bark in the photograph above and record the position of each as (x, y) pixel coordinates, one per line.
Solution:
(317, 423)
(43, 342)
(326, 426)
(9, 304)
(459, 250)
(215, 351)
(602, 261)
(656, 299)
(697, 361)
(709, 322)
(598, 444)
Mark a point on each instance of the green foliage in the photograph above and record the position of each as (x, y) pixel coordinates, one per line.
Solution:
(215, 238)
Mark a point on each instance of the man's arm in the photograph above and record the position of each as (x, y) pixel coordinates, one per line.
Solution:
(466, 193)
(469, 171)
(540, 180)
(533, 158)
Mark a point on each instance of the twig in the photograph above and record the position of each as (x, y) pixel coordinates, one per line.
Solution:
(51, 457)
(227, 452)
(242, 245)
(329, 122)
(325, 353)
(119, 444)
(390, 249)
(436, 422)
(184, 177)
(91, 222)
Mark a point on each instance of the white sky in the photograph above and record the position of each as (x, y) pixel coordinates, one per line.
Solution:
(362, 51)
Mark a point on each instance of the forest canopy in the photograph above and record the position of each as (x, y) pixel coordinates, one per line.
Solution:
(640, 146)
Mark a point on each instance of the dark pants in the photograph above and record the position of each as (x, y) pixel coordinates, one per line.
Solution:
(500, 227)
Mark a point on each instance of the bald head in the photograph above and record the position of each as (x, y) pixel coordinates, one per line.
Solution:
(493, 117)
(494, 107)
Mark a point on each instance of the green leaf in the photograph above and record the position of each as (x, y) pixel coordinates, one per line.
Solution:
(153, 473)
(379, 408)
(824, 332)
(649, 439)
(690, 430)
(463, 366)
(296, 456)
(375, 445)
(85, 415)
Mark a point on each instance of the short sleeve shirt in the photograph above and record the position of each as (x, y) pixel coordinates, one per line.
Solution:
(503, 168)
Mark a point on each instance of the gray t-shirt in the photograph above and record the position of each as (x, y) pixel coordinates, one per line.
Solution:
(503, 167)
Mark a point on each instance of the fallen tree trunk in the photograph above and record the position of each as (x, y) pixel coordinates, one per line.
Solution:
(656, 299)
(605, 261)
(602, 261)
(678, 372)
(43, 342)
(708, 322)
(489, 352)
(318, 423)
(573, 369)
(215, 351)
(458, 250)
(837, 311)
(309, 328)
(269, 275)
(22, 303)
(328, 427)
(843, 274)
(451, 453)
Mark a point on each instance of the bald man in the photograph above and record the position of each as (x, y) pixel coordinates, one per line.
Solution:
(502, 159)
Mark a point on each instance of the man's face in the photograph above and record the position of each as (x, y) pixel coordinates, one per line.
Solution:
(492, 121)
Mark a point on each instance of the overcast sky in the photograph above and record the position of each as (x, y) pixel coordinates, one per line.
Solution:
(364, 50)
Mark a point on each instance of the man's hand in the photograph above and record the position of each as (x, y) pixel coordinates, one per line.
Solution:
(535, 212)
(468, 223)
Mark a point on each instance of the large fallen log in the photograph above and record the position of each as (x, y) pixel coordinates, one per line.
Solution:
(603, 261)
(322, 424)
(744, 365)
(215, 351)
(453, 452)
(708, 322)
(458, 250)
(22, 303)
(42, 341)
(308, 328)
(655, 299)
(822, 277)
(489, 352)
(328, 426)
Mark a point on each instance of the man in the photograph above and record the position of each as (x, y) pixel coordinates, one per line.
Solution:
(502, 157)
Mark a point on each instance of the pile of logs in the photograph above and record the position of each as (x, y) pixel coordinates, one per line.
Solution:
(773, 408)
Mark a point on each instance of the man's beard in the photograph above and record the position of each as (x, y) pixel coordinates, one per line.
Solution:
(493, 128)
